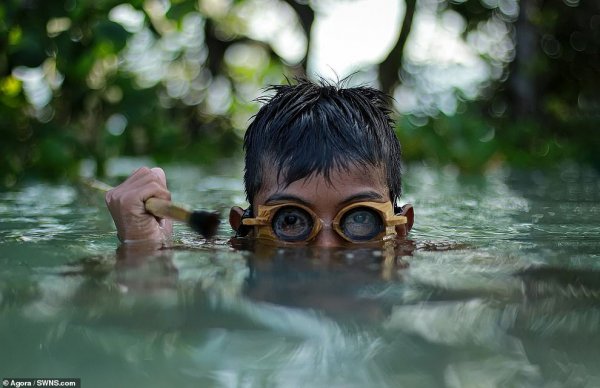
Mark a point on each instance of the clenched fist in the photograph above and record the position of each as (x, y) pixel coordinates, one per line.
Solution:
(126, 205)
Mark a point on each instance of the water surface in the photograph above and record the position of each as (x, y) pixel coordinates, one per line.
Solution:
(499, 285)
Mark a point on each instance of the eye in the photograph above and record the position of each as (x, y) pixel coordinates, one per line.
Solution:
(292, 224)
(361, 224)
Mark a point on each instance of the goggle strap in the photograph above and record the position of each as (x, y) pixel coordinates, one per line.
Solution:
(396, 220)
(255, 221)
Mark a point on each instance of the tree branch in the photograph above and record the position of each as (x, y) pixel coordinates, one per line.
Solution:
(307, 17)
(390, 67)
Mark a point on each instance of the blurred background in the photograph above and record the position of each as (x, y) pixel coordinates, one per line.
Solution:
(477, 83)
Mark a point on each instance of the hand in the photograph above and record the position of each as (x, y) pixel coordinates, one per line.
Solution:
(126, 205)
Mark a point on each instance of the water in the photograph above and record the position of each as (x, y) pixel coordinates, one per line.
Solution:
(499, 285)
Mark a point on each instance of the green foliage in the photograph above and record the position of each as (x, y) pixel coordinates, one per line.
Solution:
(171, 80)
(474, 142)
(466, 141)
(72, 87)
(549, 90)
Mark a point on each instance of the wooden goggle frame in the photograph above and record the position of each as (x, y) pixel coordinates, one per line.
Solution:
(263, 221)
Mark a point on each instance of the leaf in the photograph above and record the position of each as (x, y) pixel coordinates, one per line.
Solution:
(112, 32)
(178, 11)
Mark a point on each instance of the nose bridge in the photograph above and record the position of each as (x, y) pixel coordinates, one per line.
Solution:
(327, 237)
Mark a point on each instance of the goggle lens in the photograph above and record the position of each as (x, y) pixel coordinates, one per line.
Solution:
(361, 224)
(292, 224)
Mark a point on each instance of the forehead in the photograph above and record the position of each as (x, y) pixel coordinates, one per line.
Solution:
(319, 190)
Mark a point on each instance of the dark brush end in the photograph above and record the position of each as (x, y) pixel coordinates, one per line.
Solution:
(205, 223)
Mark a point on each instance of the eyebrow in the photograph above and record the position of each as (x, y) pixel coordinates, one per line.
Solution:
(362, 196)
(366, 195)
(286, 197)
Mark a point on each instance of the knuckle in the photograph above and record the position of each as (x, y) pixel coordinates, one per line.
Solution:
(142, 171)
(157, 178)
(109, 197)
(155, 186)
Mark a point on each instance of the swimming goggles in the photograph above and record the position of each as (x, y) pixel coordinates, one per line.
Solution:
(296, 223)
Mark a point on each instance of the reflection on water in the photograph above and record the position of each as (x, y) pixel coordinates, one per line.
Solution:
(499, 285)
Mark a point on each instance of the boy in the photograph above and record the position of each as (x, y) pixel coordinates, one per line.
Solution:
(322, 167)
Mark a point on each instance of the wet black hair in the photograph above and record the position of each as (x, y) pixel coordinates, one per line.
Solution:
(310, 128)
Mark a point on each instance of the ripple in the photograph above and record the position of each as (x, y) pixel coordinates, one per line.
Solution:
(453, 310)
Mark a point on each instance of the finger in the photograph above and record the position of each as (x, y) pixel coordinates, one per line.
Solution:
(160, 173)
(139, 187)
(152, 188)
(145, 177)
(134, 178)
(155, 181)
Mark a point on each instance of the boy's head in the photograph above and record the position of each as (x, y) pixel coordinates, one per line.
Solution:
(309, 128)
(314, 144)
